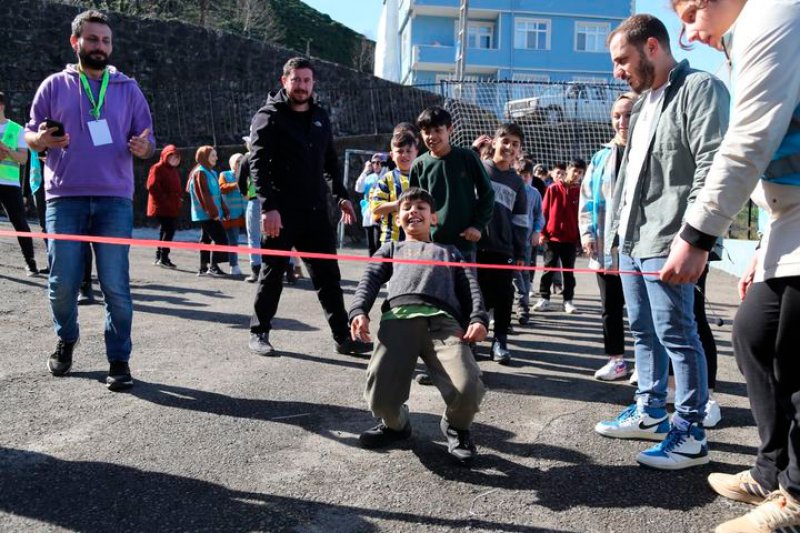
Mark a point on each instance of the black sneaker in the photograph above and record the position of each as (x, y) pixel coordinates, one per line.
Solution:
(255, 270)
(216, 271)
(30, 268)
(259, 343)
(166, 263)
(523, 316)
(291, 277)
(459, 443)
(348, 346)
(423, 378)
(202, 272)
(382, 435)
(119, 376)
(85, 294)
(60, 361)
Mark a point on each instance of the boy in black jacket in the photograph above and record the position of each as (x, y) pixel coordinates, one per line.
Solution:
(428, 309)
(503, 242)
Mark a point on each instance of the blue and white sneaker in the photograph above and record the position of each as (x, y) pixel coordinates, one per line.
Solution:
(633, 423)
(683, 448)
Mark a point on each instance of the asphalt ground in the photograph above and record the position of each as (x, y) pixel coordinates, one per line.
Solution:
(215, 438)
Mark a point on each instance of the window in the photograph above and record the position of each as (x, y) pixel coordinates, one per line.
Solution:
(532, 34)
(591, 36)
(479, 35)
(591, 79)
(533, 85)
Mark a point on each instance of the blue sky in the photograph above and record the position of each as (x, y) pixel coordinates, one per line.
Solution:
(362, 16)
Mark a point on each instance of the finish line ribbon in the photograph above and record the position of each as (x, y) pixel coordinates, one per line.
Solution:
(198, 246)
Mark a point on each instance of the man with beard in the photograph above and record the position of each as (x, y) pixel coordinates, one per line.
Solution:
(291, 147)
(88, 181)
(675, 130)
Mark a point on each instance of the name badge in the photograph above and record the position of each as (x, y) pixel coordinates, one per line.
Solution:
(100, 133)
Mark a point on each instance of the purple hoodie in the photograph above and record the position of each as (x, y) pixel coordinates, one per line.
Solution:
(83, 169)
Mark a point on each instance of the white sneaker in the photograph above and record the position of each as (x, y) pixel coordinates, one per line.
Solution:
(635, 424)
(713, 414)
(532, 294)
(569, 308)
(634, 379)
(613, 369)
(542, 305)
(680, 449)
(236, 271)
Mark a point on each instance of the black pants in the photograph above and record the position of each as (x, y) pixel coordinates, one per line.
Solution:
(212, 230)
(497, 290)
(553, 253)
(766, 337)
(166, 233)
(373, 238)
(704, 331)
(11, 199)
(87, 263)
(310, 231)
(613, 303)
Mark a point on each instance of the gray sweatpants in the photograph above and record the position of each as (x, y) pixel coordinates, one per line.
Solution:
(451, 365)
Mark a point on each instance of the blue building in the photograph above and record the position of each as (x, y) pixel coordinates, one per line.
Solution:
(516, 40)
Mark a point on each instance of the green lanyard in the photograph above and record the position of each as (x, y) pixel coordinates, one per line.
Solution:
(96, 104)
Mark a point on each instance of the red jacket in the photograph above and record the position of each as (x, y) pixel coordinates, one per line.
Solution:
(560, 210)
(164, 191)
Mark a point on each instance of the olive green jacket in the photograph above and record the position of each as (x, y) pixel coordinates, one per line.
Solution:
(685, 136)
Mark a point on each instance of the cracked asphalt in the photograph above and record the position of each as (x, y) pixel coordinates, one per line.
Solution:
(214, 438)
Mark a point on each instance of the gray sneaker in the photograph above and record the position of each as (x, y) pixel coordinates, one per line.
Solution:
(500, 353)
(259, 343)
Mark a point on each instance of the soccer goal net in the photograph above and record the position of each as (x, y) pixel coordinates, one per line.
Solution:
(561, 120)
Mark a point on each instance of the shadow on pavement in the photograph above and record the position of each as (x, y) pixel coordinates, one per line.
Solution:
(97, 496)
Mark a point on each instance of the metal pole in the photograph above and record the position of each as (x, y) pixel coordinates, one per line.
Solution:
(463, 33)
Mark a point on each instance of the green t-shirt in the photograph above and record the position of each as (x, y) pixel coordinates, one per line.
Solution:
(405, 312)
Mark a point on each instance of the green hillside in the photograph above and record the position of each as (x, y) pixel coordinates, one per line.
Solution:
(289, 23)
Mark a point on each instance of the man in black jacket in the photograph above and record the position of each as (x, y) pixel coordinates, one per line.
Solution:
(291, 147)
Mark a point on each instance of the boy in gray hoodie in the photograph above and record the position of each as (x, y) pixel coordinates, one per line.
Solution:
(432, 312)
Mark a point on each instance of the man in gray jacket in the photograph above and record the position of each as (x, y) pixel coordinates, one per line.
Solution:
(676, 128)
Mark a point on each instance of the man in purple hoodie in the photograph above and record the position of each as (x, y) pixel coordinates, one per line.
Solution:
(93, 120)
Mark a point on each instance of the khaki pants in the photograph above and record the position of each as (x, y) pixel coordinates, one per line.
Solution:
(437, 340)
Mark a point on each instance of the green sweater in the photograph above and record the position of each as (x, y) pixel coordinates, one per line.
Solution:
(462, 190)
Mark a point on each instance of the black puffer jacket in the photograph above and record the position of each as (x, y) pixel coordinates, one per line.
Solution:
(290, 156)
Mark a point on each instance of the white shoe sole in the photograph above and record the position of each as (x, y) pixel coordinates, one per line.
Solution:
(630, 434)
(668, 465)
(611, 378)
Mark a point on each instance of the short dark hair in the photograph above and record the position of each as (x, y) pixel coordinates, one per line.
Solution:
(526, 166)
(433, 117)
(560, 166)
(404, 138)
(90, 15)
(2, 98)
(510, 129)
(298, 63)
(577, 163)
(638, 28)
(413, 194)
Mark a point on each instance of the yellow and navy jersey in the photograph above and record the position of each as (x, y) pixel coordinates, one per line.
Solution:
(388, 189)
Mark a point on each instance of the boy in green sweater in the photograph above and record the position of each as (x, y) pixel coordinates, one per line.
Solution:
(457, 181)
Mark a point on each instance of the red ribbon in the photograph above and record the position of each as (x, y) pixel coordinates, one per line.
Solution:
(197, 246)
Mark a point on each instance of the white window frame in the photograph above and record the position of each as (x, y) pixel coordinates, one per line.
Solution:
(476, 25)
(599, 30)
(517, 90)
(523, 20)
(592, 80)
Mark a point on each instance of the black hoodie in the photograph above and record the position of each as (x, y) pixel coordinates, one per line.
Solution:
(290, 153)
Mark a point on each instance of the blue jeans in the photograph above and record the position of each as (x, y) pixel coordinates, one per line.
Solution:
(102, 216)
(253, 220)
(522, 280)
(661, 318)
(233, 240)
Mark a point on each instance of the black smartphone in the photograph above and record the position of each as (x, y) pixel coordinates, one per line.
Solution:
(55, 124)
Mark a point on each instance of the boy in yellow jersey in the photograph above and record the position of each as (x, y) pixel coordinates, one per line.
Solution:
(385, 193)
